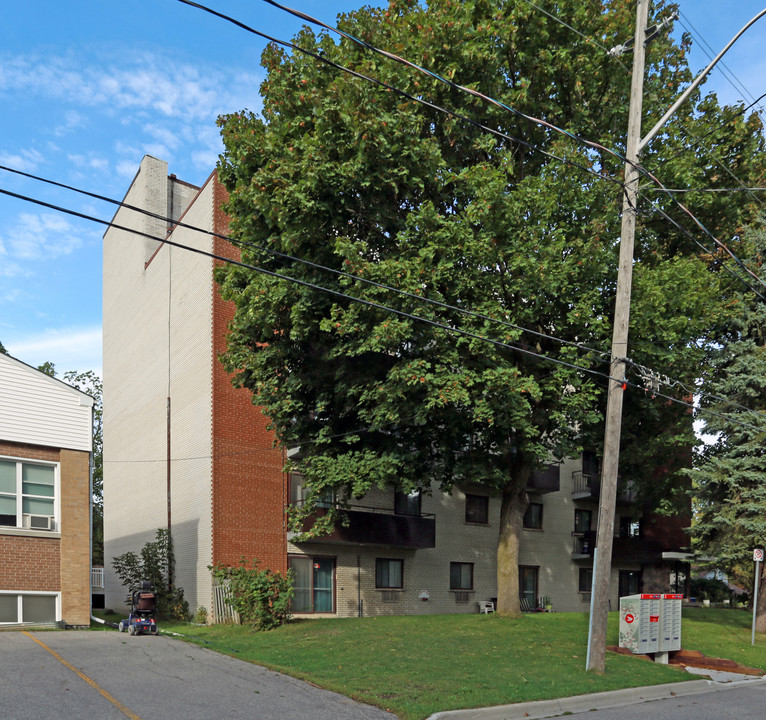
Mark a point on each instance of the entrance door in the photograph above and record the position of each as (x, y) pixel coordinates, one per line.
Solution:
(528, 586)
(324, 573)
(314, 584)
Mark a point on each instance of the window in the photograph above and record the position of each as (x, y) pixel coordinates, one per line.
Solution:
(630, 582)
(389, 573)
(407, 503)
(582, 521)
(629, 527)
(461, 576)
(27, 489)
(299, 493)
(314, 584)
(477, 509)
(533, 517)
(28, 608)
(585, 581)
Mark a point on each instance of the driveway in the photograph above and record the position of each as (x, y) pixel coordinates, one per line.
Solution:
(109, 675)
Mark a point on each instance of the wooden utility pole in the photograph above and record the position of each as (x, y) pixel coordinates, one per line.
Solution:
(603, 564)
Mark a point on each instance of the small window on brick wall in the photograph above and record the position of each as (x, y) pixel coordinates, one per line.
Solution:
(461, 576)
(477, 509)
(389, 573)
(533, 517)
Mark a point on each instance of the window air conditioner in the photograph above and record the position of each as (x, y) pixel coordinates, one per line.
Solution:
(38, 522)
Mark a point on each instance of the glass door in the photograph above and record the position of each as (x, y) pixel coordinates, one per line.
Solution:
(324, 576)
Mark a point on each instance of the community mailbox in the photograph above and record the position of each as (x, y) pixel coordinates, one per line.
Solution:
(650, 623)
(670, 620)
(640, 623)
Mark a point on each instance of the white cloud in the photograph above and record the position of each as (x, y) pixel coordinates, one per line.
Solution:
(26, 160)
(69, 348)
(89, 161)
(149, 82)
(40, 236)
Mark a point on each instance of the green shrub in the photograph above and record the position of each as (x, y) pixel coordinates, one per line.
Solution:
(260, 597)
(155, 563)
(200, 616)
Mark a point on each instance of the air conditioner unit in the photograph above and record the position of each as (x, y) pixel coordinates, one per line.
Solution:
(38, 522)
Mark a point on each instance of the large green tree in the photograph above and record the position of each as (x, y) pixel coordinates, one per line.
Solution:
(730, 474)
(357, 178)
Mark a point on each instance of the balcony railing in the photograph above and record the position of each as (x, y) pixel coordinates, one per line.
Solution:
(97, 577)
(588, 487)
(380, 526)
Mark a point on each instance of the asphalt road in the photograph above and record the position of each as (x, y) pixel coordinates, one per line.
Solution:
(110, 676)
(747, 702)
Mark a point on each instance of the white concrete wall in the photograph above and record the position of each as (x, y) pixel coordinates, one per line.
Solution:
(157, 343)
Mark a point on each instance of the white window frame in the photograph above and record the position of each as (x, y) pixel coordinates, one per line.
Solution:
(20, 461)
(19, 604)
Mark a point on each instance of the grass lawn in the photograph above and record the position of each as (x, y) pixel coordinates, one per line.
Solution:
(417, 665)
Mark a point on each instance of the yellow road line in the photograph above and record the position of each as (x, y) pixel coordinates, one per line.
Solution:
(82, 675)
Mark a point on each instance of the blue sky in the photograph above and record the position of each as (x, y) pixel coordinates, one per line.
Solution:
(87, 88)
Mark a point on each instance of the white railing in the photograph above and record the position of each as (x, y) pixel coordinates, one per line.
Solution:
(97, 577)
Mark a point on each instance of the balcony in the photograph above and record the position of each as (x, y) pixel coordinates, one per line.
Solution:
(380, 526)
(545, 480)
(588, 487)
(624, 549)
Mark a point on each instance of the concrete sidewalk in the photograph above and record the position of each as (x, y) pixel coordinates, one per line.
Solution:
(600, 701)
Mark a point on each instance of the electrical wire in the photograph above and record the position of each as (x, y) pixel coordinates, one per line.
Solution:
(330, 291)
(497, 343)
(493, 101)
(402, 93)
(308, 263)
(368, 303)
(722, 67)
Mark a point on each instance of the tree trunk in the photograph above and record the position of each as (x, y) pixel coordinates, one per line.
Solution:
(760, 612)
(512, 509)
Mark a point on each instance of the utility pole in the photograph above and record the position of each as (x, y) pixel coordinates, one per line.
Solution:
(634, 145)
(603, 563)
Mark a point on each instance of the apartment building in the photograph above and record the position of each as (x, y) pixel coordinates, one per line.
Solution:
(45, 459)
(184, 449)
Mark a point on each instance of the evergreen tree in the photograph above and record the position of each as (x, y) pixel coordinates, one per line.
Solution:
(729, 480)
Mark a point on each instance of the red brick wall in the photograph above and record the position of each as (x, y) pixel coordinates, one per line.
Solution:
(249, 485)
(30, 563)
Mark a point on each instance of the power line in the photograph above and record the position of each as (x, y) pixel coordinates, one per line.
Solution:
(402, 93)
(655, 180)
(308, 263)
(493, 101)
(724, 69)
(330, 291)
(304, 283)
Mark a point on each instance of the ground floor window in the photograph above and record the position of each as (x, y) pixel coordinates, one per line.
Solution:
(585, 580)
(460, 576)
(28, 608)
(314, 584)
(389, 573)
(630, 582)
(528, 585)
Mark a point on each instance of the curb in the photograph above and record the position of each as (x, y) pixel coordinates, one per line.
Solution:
(586, 703)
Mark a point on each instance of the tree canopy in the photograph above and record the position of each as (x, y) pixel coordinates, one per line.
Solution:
(521, 229)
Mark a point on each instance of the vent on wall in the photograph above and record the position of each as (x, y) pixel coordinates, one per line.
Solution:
(462, 597)
(389, 596)
(38, 522)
